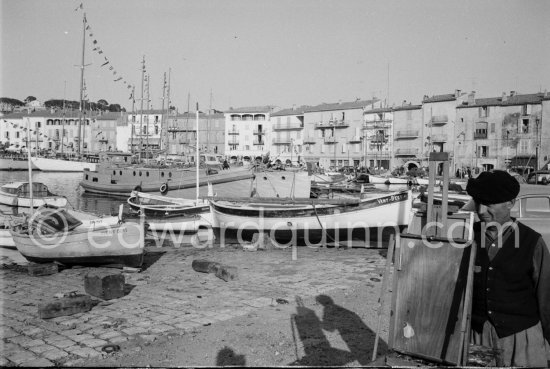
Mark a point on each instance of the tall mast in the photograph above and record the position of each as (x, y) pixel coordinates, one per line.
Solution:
(197, 151)
(187, 120)
(134, 122)
(148, 112)
(141, 109)
(162, 116)
(82, 66)
(208, 124)
(167, 134)
(64, 116)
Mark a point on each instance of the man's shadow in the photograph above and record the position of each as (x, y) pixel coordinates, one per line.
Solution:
(355, 333)
(306, 326)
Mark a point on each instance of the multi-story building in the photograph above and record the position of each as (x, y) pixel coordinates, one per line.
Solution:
(408, 144)
(287, 140)
(332, 133)
(145, 131)
(56, 131)
(247, 132)
(501, 132)
(439, 119)
(103, 131)
(378, 138)
(182, 134)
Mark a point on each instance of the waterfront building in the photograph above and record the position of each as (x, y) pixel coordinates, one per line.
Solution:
(287, 136)
(145, 131)
(378, 132)
(407, 137)
(247, 132)
(51, 130)
(103, 131)
(182, 134)
(438, 128)
(502, 132)
(332, 133)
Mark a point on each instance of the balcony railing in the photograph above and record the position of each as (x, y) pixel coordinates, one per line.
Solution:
(355, 139)
(258, 132)
(330, 140)
(406, 152)
(439, 138)
(233, 132)
(281, 141)
(406, 134)
(180, 129)
(309, 140)
(258, 142)
(439, 120)
(287, 126)
(332, 124)
(480, 135)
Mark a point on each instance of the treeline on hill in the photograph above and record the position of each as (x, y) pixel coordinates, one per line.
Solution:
(102, 105)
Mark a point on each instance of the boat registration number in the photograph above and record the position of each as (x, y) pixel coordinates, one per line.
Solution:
(393, 198)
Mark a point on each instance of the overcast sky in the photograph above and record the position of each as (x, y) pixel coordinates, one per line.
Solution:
(276, 52)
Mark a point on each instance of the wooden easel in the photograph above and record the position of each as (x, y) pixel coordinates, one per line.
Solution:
(432, 281)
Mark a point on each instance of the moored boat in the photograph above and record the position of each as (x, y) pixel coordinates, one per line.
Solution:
(158, 206)
(121, 181)
(18, 194)
(55, 235)
(15, 163)
(309, 220)
(389, 180)
(62, 165)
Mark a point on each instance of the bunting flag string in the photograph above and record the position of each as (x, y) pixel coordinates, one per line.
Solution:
(99, 51)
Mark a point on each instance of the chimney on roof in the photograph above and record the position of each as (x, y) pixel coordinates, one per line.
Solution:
(293, 106)
(457, 93)
(512, 93)
(472, 98)
(404, 103)
(504, 97)
(425, 97)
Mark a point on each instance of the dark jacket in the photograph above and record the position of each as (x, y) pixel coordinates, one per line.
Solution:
(504, 292)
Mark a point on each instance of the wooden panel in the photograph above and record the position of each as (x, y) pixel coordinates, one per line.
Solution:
(428, 291)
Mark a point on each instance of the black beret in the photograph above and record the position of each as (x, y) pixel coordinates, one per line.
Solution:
(493, 187)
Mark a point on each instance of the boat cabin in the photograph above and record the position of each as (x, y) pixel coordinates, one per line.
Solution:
(22, 189)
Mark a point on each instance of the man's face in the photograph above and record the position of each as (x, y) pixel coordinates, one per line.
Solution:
(498, 213)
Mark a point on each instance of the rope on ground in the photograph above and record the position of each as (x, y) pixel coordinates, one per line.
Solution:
(336, 243)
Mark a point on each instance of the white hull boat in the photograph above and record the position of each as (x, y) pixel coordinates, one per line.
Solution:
(15, 164)
(17, 194)
(309, 220)
(157, 206)
(56, 235)
(61, 165)
(389, 180)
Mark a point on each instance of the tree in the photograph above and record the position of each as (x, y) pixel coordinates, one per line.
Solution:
(103, 103)
(29, 99)
(115, 108)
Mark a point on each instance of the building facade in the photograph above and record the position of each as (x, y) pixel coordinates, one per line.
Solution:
(407, 137)
(247, 133)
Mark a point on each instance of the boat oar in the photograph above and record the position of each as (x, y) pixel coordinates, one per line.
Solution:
(389, 258)
(120, 212)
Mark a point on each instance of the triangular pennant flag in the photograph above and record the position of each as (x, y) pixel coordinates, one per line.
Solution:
(118, 79)
(107, 62)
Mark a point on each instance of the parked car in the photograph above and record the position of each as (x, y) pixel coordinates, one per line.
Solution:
(539, 177)
(532, 208)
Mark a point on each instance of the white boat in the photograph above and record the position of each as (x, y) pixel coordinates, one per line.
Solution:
(18, 194)
(389, 179)
(308, 220)
(15, 163)
(158, 206)
(62, 165)
(55, 235)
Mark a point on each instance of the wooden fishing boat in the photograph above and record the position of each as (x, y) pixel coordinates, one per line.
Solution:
(389, 180)
(303, 221)
(62, 165)
(121, 181)
(56, 235)
(158, 206)
(18, 194)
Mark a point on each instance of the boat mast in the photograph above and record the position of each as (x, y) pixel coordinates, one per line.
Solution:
(148, 113)
(29, 164)
(141, 109)
(134, 122)
(162, 116)
(167, 133)
(197, 149)
(187, 139)
(64, 116)
(208, 124)
(82, 66)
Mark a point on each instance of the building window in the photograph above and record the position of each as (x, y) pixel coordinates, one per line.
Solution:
(483, 111)
(482, 151)
(524, 126)
(524, 146)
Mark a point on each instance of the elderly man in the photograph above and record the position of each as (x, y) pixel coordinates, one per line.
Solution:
(511, 297)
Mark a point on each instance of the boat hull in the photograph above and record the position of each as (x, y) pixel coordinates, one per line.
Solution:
(389, 180)
(15, 164)
(120, 244)
(308, 223)
(155, 206)
(122, 181)
(60, 165)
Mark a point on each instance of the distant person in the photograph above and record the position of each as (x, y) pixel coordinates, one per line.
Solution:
(511, 294)
(225, 164)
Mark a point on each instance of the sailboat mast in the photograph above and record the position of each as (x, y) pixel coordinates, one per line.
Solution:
(141, 109)
(29, 163)
(187, 139)
(197, 149)
(167, 133)
(148, 80)
(134, 122)
(163, 116)
(82, 66)
(208, 124)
